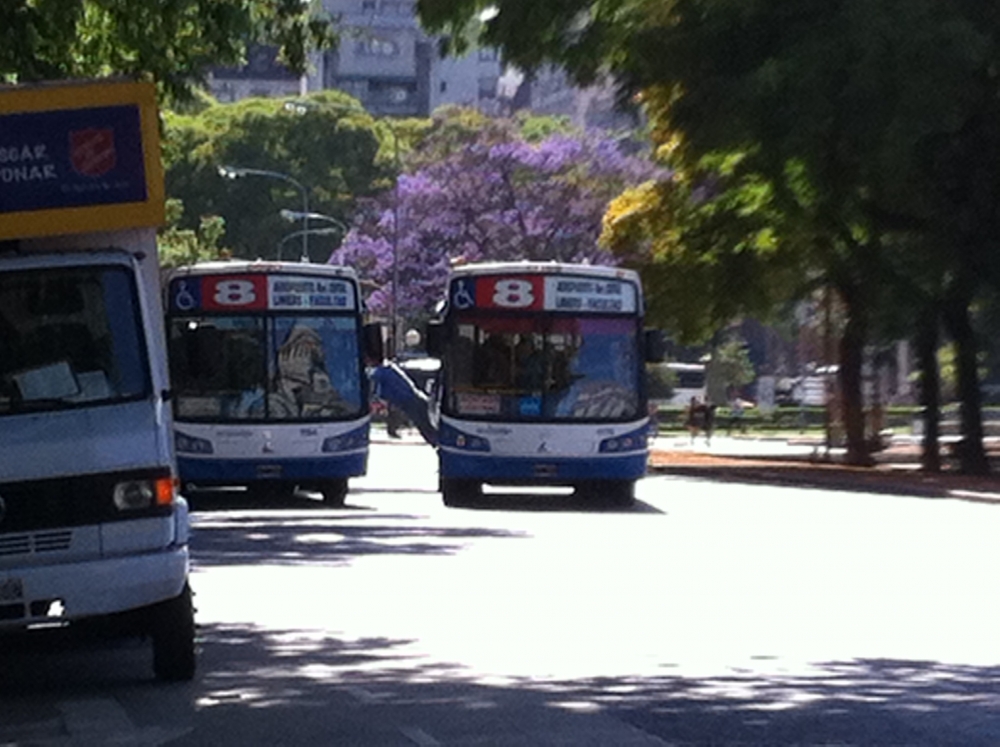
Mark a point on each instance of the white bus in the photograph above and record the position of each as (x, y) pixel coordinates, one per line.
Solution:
(689, 382)
(541, 380)
(267, 362)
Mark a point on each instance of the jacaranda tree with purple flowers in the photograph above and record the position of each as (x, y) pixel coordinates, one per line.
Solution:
(479, 190)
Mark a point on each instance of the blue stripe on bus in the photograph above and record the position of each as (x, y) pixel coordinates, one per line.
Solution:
(486, 467)
(238, 471)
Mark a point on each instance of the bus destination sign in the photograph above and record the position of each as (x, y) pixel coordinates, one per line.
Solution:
(565, 293)
(255, 292)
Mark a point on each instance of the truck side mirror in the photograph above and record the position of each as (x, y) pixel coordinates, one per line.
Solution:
(435, 338)
(374, 346)
(655, 344)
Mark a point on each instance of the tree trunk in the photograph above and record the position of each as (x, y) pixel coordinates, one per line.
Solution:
(971, 455)
(930, 387)
(852, 346)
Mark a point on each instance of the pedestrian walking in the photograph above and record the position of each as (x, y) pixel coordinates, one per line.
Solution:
(695, 419)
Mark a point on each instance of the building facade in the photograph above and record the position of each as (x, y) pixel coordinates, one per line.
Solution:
(384, 59)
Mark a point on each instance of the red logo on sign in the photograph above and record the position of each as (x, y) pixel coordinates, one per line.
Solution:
(92, 151)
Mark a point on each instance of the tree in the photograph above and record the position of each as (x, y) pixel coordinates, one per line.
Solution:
(861, 117)
(319, 141)
(175, 42)
(480, 191)
(728, 370)
(183, 246)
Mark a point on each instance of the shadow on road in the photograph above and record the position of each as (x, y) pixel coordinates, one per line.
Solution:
(554, 503)
(247, 538)
(258, 687)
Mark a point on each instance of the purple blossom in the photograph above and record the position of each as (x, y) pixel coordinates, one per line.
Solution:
(496, 198)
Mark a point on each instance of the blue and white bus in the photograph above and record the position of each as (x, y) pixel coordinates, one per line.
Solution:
(541, 381)
(267, 363)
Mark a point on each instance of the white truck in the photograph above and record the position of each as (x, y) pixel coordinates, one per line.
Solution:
(92, 530)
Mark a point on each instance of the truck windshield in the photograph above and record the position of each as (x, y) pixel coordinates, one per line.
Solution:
(537, 367)
(69, 337)
(265, 368)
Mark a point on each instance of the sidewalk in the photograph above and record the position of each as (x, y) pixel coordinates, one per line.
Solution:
(804, 462)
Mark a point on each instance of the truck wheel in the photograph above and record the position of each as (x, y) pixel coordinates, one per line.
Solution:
(172, 629)
(459, 493)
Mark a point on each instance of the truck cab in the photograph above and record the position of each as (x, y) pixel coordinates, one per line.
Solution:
(92, 530)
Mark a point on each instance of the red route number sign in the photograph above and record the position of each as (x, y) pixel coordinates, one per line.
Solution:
(511, 293)
(234, 292)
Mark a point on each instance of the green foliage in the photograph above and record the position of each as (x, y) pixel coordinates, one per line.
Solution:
(182, 246)
(174, 42)
(326, 142)
(730, 368)
(868, 143)
(660, 381)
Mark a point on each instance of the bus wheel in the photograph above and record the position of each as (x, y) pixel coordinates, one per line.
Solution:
(458, 493)
(617, 493)
(621, 493)
(334, 492)
(172, 630)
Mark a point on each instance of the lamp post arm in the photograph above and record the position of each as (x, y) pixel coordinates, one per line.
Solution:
(232, 172)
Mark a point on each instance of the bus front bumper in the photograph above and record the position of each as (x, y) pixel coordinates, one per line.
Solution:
(455, 464)
(208, 471)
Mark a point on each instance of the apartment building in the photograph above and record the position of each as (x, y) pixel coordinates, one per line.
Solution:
(384, 59)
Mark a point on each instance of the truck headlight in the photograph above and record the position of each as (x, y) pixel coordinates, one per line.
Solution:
(134, 495)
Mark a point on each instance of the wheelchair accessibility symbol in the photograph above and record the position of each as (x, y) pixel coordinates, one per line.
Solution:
(462, 297)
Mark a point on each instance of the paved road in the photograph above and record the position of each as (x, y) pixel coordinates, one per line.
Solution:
(710, 614)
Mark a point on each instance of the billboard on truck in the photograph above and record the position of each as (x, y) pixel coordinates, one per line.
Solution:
(79, 158)
(91, 526)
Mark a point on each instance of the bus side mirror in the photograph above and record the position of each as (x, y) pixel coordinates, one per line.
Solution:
(655, 344)
(435, 338)
(374, 346)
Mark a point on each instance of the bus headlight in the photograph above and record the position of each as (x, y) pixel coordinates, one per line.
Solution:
(191, 445)
(451, 436)
(631, 441)
(134, 495)
(350, 441)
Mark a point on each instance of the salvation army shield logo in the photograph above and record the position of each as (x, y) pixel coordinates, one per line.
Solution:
(92, 151)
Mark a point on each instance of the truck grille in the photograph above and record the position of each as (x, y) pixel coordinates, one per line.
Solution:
(36, 542)
(30, 507)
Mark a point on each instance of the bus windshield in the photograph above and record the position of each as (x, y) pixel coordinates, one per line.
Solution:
(542, 367)
(280, 367)
(70, 337)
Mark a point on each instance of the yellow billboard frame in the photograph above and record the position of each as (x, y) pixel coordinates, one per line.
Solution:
(70, 95)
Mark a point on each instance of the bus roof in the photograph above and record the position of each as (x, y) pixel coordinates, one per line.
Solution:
(543, 268)
(264, 267)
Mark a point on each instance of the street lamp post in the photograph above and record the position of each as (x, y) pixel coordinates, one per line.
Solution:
(301, 107)
(235, 172)
(294, 215)
(297, 234)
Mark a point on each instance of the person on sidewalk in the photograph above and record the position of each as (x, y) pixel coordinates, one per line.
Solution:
(695, 420)
(709, 421)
